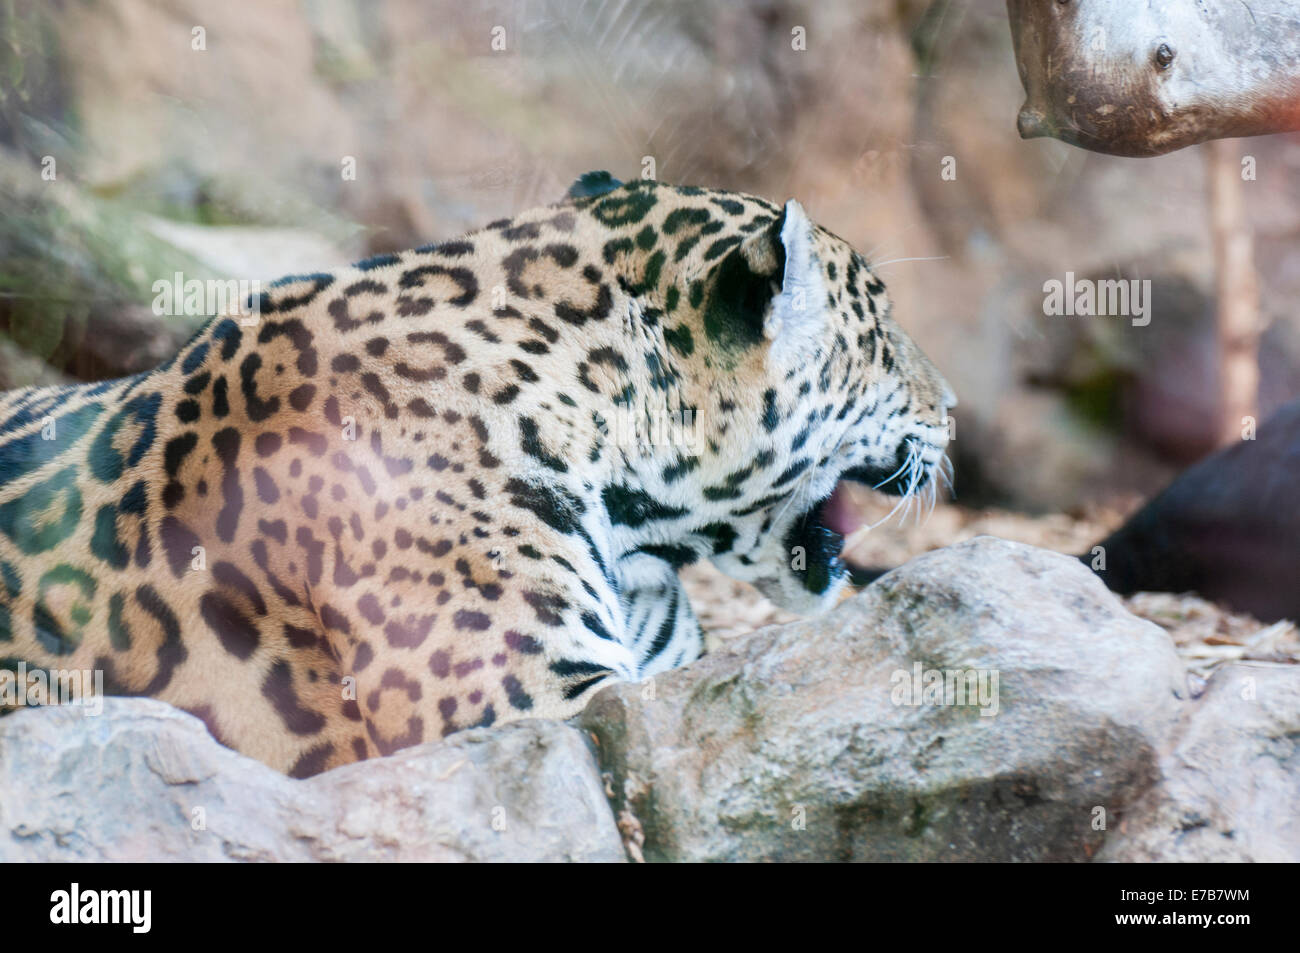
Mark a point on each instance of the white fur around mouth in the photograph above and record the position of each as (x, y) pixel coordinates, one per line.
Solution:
(913, 480)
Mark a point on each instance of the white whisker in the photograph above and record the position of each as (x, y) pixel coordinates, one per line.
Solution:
(934, 499)
(948, 473)
(910, 466)
(894, 261)
(885, 518)
(917, 471)
(906, 463)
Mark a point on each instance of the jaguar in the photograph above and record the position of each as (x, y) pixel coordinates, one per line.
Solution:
(453, 487)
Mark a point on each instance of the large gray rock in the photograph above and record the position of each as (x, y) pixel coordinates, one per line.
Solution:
(1232, 779)
(145, 781)
(790, 746)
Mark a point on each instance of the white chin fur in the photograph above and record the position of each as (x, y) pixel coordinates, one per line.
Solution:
(788, 592)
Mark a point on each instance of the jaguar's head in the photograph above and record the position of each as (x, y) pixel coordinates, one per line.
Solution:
(834, 392)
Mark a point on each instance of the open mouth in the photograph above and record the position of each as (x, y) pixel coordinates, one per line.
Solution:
(818, 535)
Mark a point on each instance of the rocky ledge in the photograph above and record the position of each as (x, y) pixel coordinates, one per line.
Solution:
(989, 701)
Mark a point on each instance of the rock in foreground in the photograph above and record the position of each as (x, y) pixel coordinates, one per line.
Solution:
(145, 782)
(1231, 781)
(791, 746)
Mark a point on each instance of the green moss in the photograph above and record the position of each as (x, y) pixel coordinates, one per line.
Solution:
(66, 254)
(920, 819)
(1096, 398)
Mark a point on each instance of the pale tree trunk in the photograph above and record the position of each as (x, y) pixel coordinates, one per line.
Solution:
(1236, 291)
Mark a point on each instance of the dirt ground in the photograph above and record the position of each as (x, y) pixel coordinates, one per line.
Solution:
(1206, 635)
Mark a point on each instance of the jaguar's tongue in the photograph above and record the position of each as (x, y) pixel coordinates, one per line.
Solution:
(839, 513)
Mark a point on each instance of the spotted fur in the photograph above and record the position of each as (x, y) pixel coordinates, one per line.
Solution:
(404, 502)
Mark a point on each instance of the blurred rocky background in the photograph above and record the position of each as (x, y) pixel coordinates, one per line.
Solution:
(143, 137)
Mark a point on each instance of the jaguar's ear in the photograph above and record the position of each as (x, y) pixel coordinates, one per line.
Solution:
(769, 287)
(591, 184)
(798, 311)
